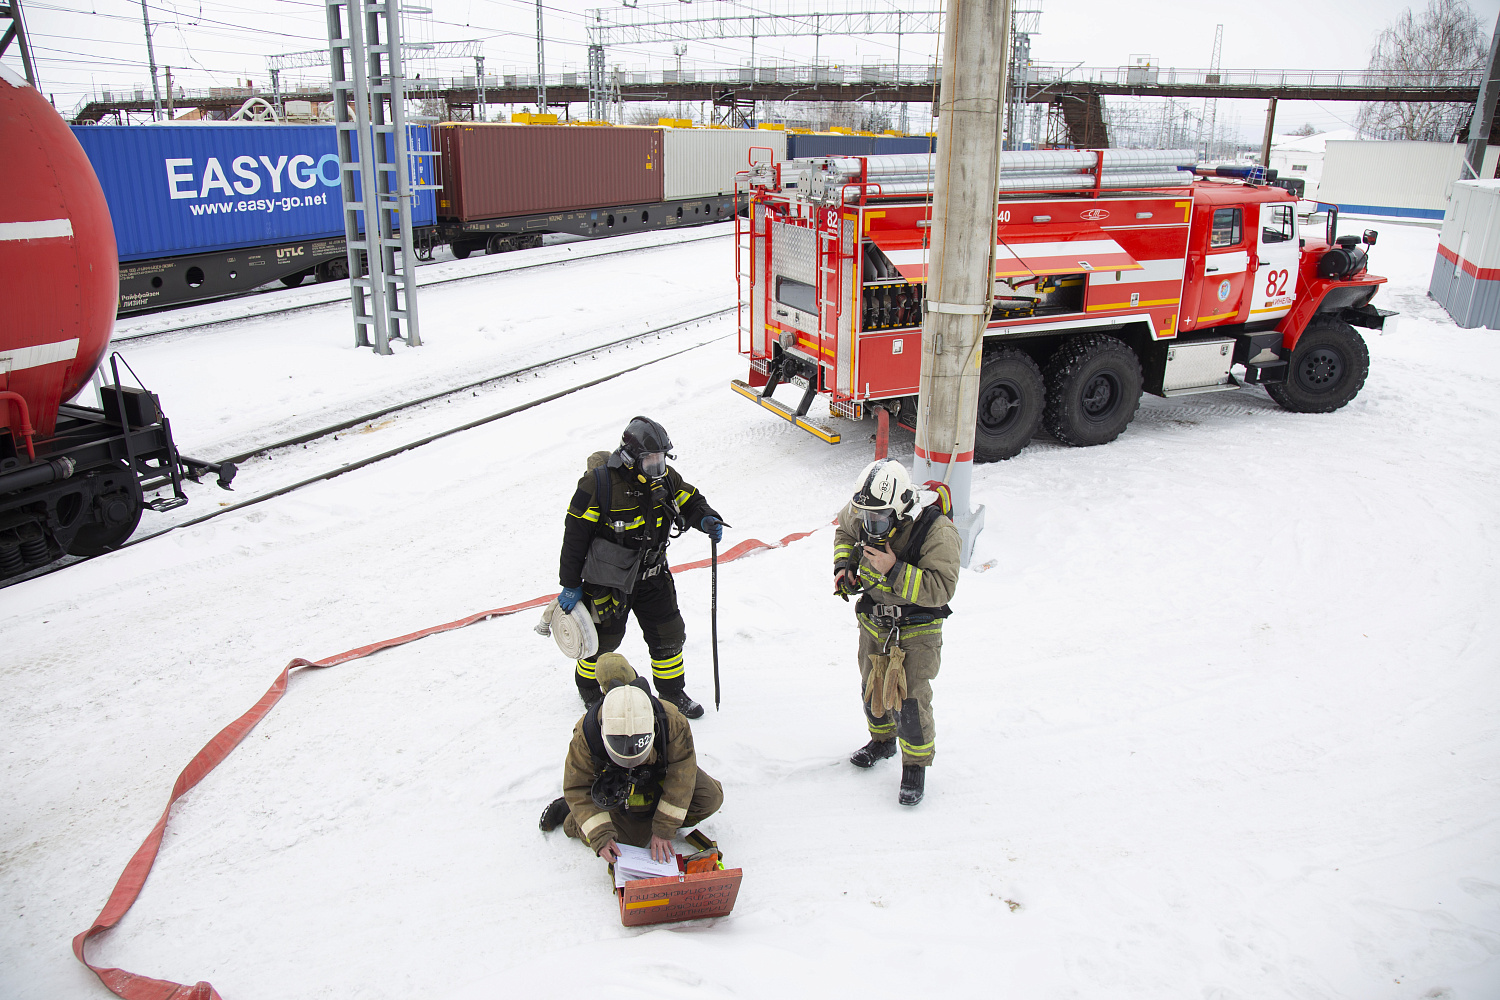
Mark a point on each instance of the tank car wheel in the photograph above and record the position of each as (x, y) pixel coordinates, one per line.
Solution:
(1327, 369)
(117, 506)
(1093, 390)
(1011, 398)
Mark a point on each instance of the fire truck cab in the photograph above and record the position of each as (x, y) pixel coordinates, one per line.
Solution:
(1116, 272)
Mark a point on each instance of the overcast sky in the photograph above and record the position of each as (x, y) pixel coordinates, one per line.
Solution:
(83, 47)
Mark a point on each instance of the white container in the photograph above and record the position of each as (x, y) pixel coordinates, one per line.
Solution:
(702, 162)
(1466, 272)
(1400, 179)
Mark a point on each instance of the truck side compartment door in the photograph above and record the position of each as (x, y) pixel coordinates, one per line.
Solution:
(1222, 291)
(1278, 253)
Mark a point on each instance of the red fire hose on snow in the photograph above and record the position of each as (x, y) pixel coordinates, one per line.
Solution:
(135, 987)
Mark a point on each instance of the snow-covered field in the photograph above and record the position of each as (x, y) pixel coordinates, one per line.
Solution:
(1219, 722)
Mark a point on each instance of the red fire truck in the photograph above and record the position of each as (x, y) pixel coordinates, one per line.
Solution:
(1116, 272)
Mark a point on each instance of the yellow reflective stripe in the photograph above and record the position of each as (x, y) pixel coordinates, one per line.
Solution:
(589, 515)
(593, 823)
(636, 799)
(923, 750)
(906, 633)
(586, 670)
(683, 496)
(842, 550)
(880, 728)
(667, 809)
(667, 669)
(916, 583)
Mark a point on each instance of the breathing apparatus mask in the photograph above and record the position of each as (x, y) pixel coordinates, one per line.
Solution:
(612, 788)
(878, 523)
(653, 464)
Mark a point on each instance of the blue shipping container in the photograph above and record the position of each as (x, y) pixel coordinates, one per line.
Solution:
(179, 189)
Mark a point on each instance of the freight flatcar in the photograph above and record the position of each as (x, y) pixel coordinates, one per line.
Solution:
(210, 210)
(73, 478)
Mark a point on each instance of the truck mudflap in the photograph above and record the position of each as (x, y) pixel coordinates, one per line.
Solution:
(1367, 316)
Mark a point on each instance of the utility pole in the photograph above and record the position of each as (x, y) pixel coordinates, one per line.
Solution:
(171, 109)
(541, 65)
(961, 272)
(1484, 112)
(151, 61)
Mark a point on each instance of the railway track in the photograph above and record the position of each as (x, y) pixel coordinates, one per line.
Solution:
(341, 294)
(344, 462)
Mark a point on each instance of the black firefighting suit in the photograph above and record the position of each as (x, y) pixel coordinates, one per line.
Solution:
(638, 514)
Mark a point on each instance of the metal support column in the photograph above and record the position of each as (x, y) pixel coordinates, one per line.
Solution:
(961, 277)
(1484, 112)
(1265, 146)
(275, 93)
(598, 89)
(541, 65)
(364, 48)
(151, 62)
(16, 32)
(479, 81)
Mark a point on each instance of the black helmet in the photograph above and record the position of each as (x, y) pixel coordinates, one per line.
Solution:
(645, 437)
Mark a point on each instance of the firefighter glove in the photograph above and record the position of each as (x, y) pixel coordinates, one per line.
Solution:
(886, 687)
(569, 597)
(712, 527)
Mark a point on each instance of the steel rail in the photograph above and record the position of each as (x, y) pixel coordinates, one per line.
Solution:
(387, 454)
(136, 338)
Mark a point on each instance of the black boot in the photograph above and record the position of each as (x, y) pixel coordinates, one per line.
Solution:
(553, 815)
(913, 778)
(867, 755)
(686, 705)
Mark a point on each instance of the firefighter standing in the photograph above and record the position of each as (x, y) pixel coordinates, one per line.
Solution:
(631, 774)
(633, 503)
(904, 569)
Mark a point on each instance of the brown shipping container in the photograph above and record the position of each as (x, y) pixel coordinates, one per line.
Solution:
(496, 171)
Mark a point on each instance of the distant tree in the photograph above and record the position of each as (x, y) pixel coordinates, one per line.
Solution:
(1423, 50)
(1306, 129)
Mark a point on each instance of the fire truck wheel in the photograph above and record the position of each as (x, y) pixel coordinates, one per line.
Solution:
(1011, 397)
(1093, 390)
(117, 504)
(1327, 369)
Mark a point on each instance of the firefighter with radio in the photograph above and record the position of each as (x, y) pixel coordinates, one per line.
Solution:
(631, 775)
(614, 555)
(902, 565)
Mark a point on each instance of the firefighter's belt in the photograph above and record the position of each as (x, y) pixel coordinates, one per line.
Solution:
(905, 615)
(885, 689)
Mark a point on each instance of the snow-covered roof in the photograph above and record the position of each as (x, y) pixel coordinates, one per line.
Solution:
(1311, 143)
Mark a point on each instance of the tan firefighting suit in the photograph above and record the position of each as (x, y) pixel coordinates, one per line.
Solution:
(684, 795)
(910, 588)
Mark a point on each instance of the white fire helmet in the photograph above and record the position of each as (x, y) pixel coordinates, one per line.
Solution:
(883, 495)
(885, 483)
(628, 725)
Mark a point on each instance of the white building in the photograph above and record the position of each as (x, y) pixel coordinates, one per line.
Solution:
(1301, 156)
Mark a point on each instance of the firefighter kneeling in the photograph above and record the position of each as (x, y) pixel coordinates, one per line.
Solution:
(631, 774)
(904, 569)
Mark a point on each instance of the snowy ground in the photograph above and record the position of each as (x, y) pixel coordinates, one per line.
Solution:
(1219, 722)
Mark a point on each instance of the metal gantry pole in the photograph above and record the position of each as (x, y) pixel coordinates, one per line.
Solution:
(961, 275)
(541, 65)
(364, 49)
(16, 32)
(479, 82)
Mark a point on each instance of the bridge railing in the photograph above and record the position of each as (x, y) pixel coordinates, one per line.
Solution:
(876, 75)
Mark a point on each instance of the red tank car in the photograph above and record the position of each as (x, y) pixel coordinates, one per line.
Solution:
(72, 478)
